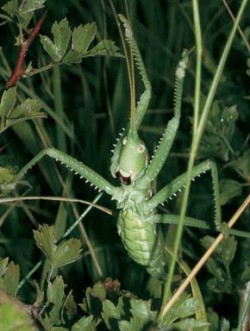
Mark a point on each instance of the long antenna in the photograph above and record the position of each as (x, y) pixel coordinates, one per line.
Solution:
(132, 86)
(130, 66)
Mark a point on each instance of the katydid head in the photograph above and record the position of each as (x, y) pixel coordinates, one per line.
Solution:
(130, 154)
(132, 159)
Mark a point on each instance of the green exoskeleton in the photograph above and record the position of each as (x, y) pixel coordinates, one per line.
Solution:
(138, 217)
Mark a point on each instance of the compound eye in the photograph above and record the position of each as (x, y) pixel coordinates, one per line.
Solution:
(124, 141)
(141, 148)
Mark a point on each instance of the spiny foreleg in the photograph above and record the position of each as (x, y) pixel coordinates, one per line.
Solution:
(179, 183)
(78, 167)
(167, 140)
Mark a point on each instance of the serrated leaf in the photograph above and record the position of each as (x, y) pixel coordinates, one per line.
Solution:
(50, 48)
(28, 6)
(10, 115)
(61, 33)
(140, 309)
(72, 57)
(104, 47)
(99, 290)
(229, 189)
(9, 281)
(93, 302)
(45, 240)
(26, 10)
(215, 270)
(11, 7)
(57, 48)
(82, 37)
(30, 107)
(110, 315)
(225, 252)
(67, 252)
(125, 326)
(7, 101)
(218, 133)
(70, 305)
(141, 316)
(55, 294)
(86, 324)
(242, 165)
(7, 176)
(183, 308)
(12, 318)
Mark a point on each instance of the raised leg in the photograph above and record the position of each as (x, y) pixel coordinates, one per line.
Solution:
(167, 140)
(71, 163)
(178, 183)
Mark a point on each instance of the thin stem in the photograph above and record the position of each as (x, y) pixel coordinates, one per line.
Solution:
(195, 144)
(167, 289)
(198, 40)
(19, 69)
(244, 39)
(58, 105)
(205, 257)
(217, 76)
(38, 265)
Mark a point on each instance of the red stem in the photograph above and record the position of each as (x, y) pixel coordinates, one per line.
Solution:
(19, 70)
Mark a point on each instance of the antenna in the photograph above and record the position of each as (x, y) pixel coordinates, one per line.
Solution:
(130, 67)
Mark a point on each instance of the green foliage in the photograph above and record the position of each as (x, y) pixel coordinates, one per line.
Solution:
(86, 103)
(10, 277)
(11, 114)
(59, 255)
(22, 11)
(219, 265)
(219, 131)
(81, 37)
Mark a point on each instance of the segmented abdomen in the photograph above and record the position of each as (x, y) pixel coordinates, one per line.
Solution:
(142, 241)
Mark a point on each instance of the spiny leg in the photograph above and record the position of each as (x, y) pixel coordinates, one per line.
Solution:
(197, 223)
(174, 219)
(178, 183)
(71, 163)
(168, 137)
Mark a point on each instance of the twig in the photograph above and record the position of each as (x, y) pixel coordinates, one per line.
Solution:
(19, 70)
(204, 258)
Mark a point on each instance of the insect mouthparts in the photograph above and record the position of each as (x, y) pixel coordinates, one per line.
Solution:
(123, 179)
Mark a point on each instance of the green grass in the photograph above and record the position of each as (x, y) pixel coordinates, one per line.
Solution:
(87, 105)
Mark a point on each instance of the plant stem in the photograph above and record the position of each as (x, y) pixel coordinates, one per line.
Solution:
(196, 140)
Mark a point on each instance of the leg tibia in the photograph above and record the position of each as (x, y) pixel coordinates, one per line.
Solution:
(179, 183)
(174, 219)
(71, 163)
(160, 155)
(167, 140)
